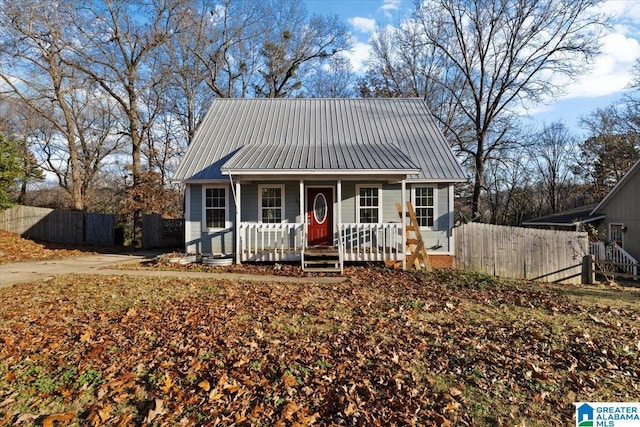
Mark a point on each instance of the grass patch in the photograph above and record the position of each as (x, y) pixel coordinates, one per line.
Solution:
(389, 346)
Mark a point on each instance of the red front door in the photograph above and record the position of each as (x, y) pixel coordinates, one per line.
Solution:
(320, 216)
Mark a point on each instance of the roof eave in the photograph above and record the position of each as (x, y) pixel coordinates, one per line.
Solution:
(239, 172)
(565, 224)
(617, 187)
(435, 180)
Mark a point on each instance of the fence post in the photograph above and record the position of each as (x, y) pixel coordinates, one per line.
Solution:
(588, 275)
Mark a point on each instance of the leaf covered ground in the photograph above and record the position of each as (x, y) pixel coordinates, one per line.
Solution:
(384, 348)
(14, 248)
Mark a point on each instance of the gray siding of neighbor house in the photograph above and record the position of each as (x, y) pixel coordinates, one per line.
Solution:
(624, 208)
(204, 242)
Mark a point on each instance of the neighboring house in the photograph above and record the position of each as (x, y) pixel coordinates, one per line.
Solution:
(621, 211)
(274, 179)
(575, 219)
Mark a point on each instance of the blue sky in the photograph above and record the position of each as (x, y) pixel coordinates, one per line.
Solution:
(604, 84)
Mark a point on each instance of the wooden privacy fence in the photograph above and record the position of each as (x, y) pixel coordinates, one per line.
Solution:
(158, 232)
(57, 226)
(521, 253)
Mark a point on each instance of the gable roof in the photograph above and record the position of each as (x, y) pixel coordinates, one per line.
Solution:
(321, 134)
(627, 177)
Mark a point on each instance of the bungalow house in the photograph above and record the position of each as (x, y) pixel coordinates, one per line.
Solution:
(621, 211)
(279, 179)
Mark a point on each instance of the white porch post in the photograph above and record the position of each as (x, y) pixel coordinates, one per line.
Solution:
(452, 241)
(302, 213)
(403, 186)
(238, 219)
(303, 217)
(339, 197)
(187, 219)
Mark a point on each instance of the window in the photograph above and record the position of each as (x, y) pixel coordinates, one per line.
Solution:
(271, 203)
(424, 204)
(369, 204)
(215, 207)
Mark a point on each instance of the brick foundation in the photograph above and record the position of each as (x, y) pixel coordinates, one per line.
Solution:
(442, 261)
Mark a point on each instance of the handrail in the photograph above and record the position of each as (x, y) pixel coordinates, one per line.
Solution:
(630, 264)
(613, 252)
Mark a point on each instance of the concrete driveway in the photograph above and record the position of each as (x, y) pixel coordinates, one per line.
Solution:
(20, 272)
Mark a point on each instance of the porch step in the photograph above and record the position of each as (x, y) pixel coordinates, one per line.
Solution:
(321, 259)
(322, 270)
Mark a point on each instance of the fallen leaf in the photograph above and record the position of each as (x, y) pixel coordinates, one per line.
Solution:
(158, 409)
(63, 417)
(168, 383)
(289, 380)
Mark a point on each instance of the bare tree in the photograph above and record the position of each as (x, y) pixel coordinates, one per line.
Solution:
(187, 90)
(119, 50)
(225, 38)
(508, 185)
(508, 53)
(36, 45)
(403, 64)
(552, 151)
(291, 40)
(332, 80)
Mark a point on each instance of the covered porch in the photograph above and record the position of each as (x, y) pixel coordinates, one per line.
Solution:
(319, 233)
(329, 203)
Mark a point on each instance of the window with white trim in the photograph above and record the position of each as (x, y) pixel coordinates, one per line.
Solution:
(424, 203)
(215, 206)
(271, 203)
(369, 204)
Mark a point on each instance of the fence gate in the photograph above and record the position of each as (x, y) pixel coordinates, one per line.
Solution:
(159, 233)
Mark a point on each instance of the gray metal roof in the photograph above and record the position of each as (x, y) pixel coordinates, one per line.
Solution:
(361, 134)
(313, 158)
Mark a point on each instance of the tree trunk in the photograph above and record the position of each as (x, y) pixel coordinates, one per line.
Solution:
(136, 163)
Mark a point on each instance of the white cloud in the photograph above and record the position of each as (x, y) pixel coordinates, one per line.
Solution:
(364, 25)
(390, 5)
(621, 10)
(359, 55)
(611, 71)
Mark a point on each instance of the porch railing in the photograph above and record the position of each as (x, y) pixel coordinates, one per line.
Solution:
(372, 242)
(614, 253)
(271, 242)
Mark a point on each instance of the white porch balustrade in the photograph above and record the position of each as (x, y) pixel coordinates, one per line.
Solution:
(372, 242)
(271, 242)
(287, 241)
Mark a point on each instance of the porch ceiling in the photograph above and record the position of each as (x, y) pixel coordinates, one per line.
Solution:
(346, 159)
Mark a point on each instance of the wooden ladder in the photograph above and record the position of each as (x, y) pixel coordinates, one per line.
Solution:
(415, 244)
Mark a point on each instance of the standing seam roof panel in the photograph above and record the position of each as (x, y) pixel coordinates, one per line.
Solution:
(332, 125)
